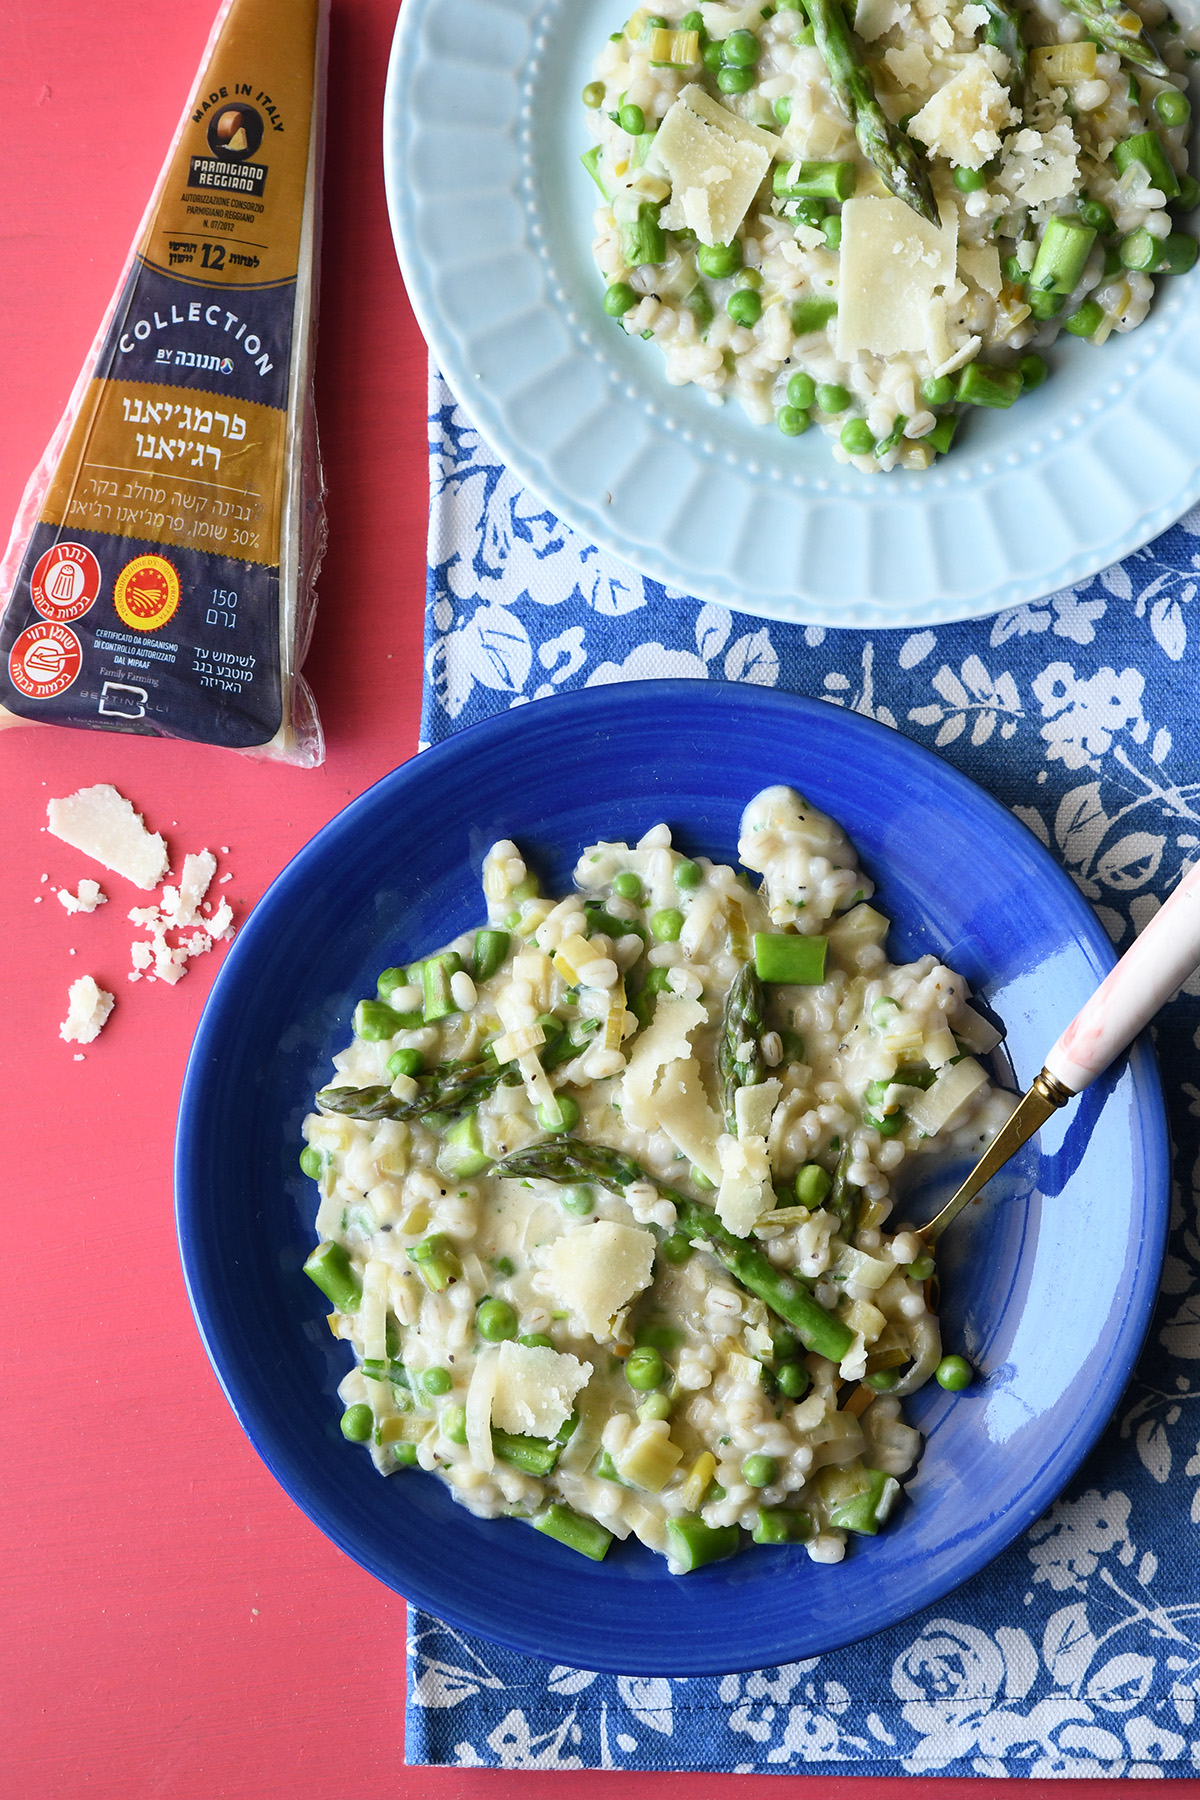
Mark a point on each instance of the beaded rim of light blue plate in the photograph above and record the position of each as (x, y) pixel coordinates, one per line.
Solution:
(492, 218)
(398, 872)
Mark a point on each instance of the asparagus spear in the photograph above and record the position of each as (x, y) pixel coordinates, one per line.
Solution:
(844, 1199)
(741, 1026)
(448, 1088)
(882, 143)
(452, 1086)
(1114, 25)
(570, 1160)
(1004, 31)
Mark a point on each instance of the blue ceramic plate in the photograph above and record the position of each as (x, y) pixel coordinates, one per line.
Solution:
(492, 216)
(1048, 1286)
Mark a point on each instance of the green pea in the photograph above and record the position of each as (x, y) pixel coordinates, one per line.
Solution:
(454, 1424)
(832, 397)
(713, 56)
(749, 278)
(938, 390)
(920, 1268)
(791, 421)
(692, 21)
(644, 1368)
(793, 1379)
(801, 390)
(688, 875)
(312, 1162)
(1033, 371)
(857, 437)
(759, 1471)
(357, 1423)
(883, 1380)
(1172, 108)
(667, 925)
(744, 307)
(632, 119)
(654, 23)
(654, 1406)
(404, 1456)
(831, 228)
(495, 1321)
(1097, 215)
(618, 299)
(627, 885)
(812, 1185)
(969, 181)
(536, 1340)
(1087, 321)
(593, 94)
(1014, 274)
(954, 1373)
(732, 80)
(742, 49)
(405, 1062)
(676, 1248)
(437, 1381)
(577, 1200)
(783, 109)
(719, 260)
(562, 1116)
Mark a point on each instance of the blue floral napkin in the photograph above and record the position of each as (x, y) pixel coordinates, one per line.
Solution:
(1077, 1653)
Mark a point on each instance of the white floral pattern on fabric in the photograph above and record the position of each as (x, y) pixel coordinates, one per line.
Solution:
(1077, 1653)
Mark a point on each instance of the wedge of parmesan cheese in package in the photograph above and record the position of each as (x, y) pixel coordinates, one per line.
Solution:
(160, 576)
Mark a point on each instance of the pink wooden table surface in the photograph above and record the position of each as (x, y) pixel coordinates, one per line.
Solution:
(170, 1624)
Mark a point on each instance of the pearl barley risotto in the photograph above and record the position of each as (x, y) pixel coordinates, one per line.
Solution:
(874, 218)
(605, 1189)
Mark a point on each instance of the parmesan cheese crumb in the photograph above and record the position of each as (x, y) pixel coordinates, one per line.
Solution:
(88, 1007)
(86, 900)
(103, 824)
(964, 119)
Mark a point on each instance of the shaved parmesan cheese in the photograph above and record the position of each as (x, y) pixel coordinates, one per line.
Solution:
(88, 898)
(1040, 166)
(103, 824)
(981, 264)
(535, 1389)
(745, 1192)
(964, 119)
(909, 64)
(181, 904)
(665, 1040)
(88, 1007)
(715, 163)
(597, 1269)
(873, 17)
(479, 1408)
(892, 263)
(955, 1085)
(753, 1107)
(684, 1113)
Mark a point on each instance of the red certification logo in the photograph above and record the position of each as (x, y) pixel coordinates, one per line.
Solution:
(65, 582)
(44, 661)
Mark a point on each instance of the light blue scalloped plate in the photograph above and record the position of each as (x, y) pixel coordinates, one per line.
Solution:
(492, 217)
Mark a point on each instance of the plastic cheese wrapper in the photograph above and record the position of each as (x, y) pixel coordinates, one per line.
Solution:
(160, 576)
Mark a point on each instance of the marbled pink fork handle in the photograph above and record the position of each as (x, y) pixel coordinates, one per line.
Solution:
(1156, 964)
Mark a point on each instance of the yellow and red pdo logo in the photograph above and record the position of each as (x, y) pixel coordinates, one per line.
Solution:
(146, 593)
